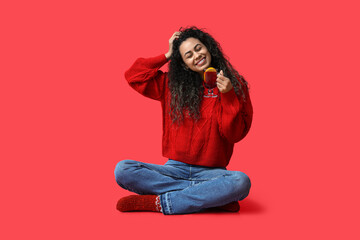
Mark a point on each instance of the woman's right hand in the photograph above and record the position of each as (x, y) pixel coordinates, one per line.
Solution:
(173, 37)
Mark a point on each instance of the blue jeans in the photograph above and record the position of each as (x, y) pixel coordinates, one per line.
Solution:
(183, 188)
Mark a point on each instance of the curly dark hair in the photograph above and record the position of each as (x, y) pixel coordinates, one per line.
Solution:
(186, 88)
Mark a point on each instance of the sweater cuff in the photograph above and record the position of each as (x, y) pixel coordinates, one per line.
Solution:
(230, 100)
(158, 61)
(152, 62)
(163, 58)
(229, 97)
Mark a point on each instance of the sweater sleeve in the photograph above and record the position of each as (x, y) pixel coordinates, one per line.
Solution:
(145, 77)
(236, 115)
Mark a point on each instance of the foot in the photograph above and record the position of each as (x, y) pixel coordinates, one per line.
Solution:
(139, 203)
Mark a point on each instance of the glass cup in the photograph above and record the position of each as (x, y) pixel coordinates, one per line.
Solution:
(210, 76)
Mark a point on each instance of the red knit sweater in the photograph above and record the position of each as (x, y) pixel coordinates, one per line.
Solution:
(224, 120)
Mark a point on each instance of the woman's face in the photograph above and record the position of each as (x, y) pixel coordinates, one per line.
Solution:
(195, 55)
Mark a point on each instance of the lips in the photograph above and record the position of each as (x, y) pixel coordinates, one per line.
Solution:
(201, 62)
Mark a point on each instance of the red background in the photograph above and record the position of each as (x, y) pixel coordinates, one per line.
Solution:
(68, 116)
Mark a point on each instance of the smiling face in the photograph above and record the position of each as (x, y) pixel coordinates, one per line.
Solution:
(195, 55)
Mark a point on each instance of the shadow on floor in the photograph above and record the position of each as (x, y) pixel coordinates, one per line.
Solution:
(250, 206)
(247, 206)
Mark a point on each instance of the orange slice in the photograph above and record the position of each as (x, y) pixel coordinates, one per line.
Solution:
(210, 69)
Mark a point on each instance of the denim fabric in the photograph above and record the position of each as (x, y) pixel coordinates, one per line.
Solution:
(183, 188)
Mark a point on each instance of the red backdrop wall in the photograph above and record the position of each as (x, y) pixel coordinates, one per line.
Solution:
(68, 116)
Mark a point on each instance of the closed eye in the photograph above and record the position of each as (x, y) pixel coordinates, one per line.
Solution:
(188, 55)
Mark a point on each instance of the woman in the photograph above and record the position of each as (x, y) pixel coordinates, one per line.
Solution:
(199, 130)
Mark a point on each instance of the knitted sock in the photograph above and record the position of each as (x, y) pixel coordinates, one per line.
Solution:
(230, 207)
(139, 203)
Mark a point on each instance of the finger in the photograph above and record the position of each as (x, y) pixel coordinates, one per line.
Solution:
(219, 85)
(175, 35)
(222, 78)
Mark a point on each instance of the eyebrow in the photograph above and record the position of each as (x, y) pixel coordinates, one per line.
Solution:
(190, 51)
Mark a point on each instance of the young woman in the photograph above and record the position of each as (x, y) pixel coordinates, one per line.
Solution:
(200, 127)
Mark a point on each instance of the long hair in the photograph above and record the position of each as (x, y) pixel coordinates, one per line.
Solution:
(186, 88)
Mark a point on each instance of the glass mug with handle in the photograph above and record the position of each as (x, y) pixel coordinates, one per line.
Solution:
(210, 76)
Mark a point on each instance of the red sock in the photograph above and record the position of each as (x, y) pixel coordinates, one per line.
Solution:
(139, 203)
(230, 207)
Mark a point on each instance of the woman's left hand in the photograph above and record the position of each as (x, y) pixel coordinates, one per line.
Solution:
(223, 83)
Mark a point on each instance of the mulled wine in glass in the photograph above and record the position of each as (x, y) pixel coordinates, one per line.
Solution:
(210, 76)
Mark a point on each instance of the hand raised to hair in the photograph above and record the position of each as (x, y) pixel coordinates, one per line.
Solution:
(223, 83)
(173, 37)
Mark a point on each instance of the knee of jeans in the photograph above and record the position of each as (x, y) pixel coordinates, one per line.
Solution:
(122, 172)
(243, 185)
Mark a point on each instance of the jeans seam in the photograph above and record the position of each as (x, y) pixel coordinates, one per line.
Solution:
(130, 189)
(166, 204)
(168, 175)
(190, 177)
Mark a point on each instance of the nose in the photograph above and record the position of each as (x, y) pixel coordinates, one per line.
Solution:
(196, 55)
